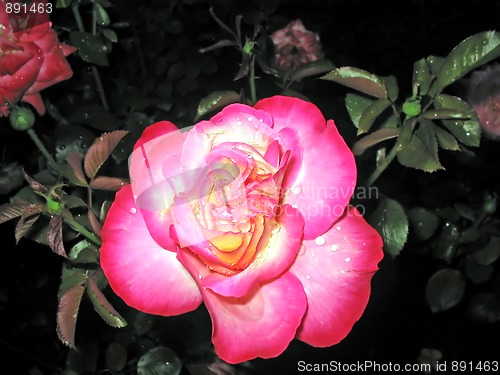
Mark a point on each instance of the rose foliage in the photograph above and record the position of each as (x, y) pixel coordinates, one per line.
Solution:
(31, 57)
(247, 212)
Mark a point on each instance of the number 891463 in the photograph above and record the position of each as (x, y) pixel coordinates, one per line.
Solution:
(25, 8)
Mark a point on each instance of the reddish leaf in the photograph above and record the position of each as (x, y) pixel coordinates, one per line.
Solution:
(9, 211)
(28, 218)
(23, 226)
(103, 307)
(94, 222)
(35, 185)
(74, 160)
(67, 314)
(55, 236)
(100, 151)
(108, 183)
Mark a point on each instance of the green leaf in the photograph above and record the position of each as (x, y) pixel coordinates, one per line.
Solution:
(67, 314)
(374, 138)
(406, 133)
(101, 15)
(446, 247)
(465, 211)
(391, 85)
(108, 183)
(100, 150)
(116, 356)
(435, 63)
(467, 132)
(423, 223)
(70, 277)
(159, 361)
(220, 44)
(422, 76)
(371, 113)
(309, 69)
(490, 253)
(214, 101)
(358, 79)
(468, 55)
(477, 273)
(421, 152)
(445, 139)
(445, 113)
(103, 307)
(96, 116)
(63, 3)
(91, 48)
(390, 220)
(356, 104)
(445, 290)
(110, 35)
(83, 252)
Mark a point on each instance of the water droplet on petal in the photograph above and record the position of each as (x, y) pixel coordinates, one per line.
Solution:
(238, 123)
(294, 206)
(133, 210)
(297, 190)
(342, 271)
(200, 276)
(308, 277)
(320, 241)
(302, 250)
(347, 260)
(250, 118)
(338, 227)
(334, 247)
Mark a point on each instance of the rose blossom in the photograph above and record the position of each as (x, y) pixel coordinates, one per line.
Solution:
(294, 45)
(484, 97)
(234, 213)
(31, 58)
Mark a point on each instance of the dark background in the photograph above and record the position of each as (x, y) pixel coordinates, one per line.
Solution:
(383, 37)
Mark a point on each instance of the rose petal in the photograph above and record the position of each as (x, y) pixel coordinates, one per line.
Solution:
(335, 270)
(327, 177)
(269, 263)
(260, 324)
(142, 273)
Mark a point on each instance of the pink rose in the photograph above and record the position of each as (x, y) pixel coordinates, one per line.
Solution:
(488, 112)
(247, 212)
(294, 45)
(484, 97)
(31, 58)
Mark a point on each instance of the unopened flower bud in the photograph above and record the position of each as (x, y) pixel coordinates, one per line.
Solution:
(21, 118)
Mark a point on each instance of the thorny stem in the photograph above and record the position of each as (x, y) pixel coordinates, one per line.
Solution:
(95, 72)
(44, 151)
(81, 229)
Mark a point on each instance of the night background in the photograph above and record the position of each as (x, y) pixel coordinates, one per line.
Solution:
(155, 72)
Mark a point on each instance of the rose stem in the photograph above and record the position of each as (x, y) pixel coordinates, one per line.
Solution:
(44, 150)
(253, 91)
(81, 229)
(95, 72)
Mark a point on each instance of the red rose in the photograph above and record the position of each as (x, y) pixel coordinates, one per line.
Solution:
(31, 58)
(294, 45)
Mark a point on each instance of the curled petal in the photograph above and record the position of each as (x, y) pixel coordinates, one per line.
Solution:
(259, 324)
(277, 254)
(335, 270)
(143, 274)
